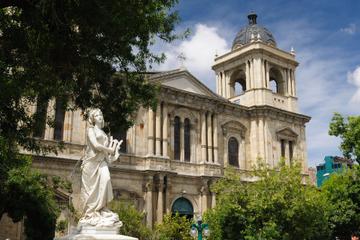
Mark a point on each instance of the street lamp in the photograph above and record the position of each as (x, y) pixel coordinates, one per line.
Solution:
(200, 229)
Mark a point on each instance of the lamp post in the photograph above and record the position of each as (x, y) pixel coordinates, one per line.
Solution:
(200, 229)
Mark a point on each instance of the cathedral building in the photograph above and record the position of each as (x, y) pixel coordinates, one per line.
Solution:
(173, 154)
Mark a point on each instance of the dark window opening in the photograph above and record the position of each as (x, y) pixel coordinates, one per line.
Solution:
(320, 168)
(40, 118)
(282, 148)
(187, 147)
(177, 138)
(59, 120)
(121, 135)
(233, 151)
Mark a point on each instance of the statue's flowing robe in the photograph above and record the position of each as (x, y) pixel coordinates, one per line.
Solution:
(96, 189)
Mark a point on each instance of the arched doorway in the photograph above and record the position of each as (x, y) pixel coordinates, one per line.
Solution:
(183, 207)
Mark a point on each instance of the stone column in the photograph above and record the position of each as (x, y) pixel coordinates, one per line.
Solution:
(252, 77)
(151, 132)
(203, 137)
(158, 131)
(148, 202)
(253, 141)
(223, 78)
(209, 135)
(263, 72)
(204, 199)
(220, 84)
(160, 203)
(267, 154)
(228, 87)
(49, 131)
(288, 82)
(247, 75)
(165, 127)
(267, 74)
(257, 72)
(261, 138)
(216, 157)
(294, 83)
(213, 199)
(167, 195)
(67, 126)
(287, 153)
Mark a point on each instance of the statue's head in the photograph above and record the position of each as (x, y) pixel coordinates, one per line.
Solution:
(95, 117)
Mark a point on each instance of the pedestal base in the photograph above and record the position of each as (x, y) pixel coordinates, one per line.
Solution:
(96, 233)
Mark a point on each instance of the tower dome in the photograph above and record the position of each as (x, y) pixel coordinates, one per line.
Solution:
(253, 32)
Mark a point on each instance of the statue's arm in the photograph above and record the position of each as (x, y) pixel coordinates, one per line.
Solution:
(99, 147)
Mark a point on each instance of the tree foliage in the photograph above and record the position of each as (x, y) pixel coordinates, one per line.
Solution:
(25, 193)
(132, 219)
(343, 193)
(276, 206)
(173, 227)
(71, 50)
(349, 132)
(91, 53)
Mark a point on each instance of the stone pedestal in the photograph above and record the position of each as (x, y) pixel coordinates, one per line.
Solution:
(96, 233)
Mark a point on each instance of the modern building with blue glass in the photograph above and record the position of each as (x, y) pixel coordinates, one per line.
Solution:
(324, 170)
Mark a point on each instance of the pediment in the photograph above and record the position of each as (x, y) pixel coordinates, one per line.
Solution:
(233, 126)
(184, 81)
(287, 133)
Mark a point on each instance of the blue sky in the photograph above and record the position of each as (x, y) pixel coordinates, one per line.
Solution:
(326, 38)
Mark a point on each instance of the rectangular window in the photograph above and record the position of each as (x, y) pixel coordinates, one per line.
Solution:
(40, 118)
(282, 141)
(59, 120)
(121, 135)
(177, 138)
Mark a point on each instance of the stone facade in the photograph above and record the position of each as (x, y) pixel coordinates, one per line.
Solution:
(178, 150)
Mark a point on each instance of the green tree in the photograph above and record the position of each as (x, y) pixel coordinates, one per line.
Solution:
(276, 206)
(132, 219)
(173, 227)
(349, 132)
(343, 193)
(70, 50)
(25, 192)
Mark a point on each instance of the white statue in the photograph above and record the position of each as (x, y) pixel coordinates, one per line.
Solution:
(96, 190)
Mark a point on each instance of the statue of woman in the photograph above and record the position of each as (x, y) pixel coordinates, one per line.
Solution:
(96, 189)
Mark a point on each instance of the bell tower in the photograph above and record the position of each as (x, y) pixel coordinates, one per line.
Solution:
(258, 75)
(255, 72)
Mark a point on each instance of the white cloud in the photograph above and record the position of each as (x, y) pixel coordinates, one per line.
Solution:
(354, 78)
(199, 51)
(351, 29)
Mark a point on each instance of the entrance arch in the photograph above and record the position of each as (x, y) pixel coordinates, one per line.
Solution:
(184, 207)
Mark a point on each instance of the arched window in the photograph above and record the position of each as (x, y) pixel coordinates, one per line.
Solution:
(183, 207)
(237, 83)
(240, 87)
(177, 138)
(187, 140)
(233, 152)
(277, 83)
